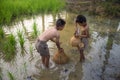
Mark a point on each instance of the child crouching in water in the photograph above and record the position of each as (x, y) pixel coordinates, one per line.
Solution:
(50, 34)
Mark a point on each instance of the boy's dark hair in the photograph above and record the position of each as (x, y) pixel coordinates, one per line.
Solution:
(60, 22)
(80, 19)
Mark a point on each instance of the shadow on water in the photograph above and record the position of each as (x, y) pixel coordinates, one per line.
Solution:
(101, 58)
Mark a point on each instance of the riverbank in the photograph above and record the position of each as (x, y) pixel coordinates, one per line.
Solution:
(105, 8)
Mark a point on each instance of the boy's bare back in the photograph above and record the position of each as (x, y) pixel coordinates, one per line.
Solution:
(49, 34)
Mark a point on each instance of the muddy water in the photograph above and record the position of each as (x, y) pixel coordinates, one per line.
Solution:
(102, 60)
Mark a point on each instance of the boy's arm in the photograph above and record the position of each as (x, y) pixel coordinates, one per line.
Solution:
(54, 40)
(57, 42)
(76, 28)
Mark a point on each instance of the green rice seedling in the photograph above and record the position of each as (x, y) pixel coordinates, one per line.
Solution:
(35, 31)
(21, 38)
(2, 34)
(13, 9)
(11, 39)
(31, 50)
(22, 52)
(7, 51)
(11, 76)
(9, 48)
(24, 27)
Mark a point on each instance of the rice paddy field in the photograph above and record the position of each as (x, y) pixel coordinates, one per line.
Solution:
(15, 9)
(22, 21)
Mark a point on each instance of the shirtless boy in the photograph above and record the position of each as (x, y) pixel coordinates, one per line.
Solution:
(81, 25)
(50, 34)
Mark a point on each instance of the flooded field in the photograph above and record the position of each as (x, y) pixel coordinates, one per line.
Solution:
(102, 57)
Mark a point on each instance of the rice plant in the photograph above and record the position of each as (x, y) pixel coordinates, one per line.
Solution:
(21, 39)
(11, 39)
(2, 34)
(12, 9)
(9, 48)
(24, 27)
(35, 31)
(31, 50)
(11, 76)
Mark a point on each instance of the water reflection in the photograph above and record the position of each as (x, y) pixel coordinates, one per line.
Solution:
(43, 22)
(118, 27)
(102, 58)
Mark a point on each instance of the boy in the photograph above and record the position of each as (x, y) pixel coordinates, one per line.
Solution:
(50, 34)
(83, 33)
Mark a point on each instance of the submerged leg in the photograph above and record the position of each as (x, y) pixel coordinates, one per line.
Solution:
(47, 61)
(43, 60)
(82, 58)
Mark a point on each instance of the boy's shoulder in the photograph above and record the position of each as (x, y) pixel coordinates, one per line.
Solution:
(52, 30)
(86, 27)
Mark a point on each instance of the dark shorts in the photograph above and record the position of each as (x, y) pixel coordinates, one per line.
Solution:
(42, 47)
(85, 41)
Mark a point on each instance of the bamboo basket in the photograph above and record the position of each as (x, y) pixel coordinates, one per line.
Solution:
(60, 57)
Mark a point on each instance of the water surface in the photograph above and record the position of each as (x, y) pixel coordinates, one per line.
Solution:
(102, 60)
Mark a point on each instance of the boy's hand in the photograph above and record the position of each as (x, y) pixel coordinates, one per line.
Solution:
(75, 32)
(60, 50)
(75, 35)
